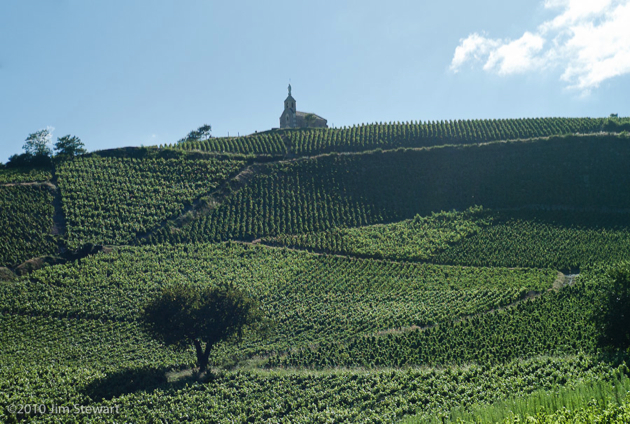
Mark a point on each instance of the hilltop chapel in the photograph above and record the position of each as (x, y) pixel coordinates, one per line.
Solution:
(291, 118)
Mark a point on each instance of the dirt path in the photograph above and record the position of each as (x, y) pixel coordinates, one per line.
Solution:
(568, 280)
(32, 183)
(528, 296)
(214, 199)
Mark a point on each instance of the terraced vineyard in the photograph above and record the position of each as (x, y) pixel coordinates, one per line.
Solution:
(410, 283)
(66, 312)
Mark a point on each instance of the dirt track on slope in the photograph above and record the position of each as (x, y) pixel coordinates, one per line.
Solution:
(32, 183)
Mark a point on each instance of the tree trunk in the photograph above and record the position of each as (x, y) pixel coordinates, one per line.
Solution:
(202, 355)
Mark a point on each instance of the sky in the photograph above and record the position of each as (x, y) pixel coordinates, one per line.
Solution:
(130, 73)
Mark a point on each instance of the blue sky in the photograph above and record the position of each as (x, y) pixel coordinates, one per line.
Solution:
(130, 73)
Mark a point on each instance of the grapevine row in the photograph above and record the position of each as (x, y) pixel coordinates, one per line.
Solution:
(24, 175)
(89, 362)
(26, 222)
(556, 323)
(328, 192)
(310, 297)
(111, 200)
(395, 134)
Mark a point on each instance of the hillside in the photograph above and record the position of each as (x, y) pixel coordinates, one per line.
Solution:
(420, 271)
(393, 135)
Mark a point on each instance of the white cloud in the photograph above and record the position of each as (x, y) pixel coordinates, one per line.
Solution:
(589, 40)
(516, 56)
(472, 47)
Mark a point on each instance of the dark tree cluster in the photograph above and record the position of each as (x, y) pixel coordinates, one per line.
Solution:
(38, 153)
(183, 314)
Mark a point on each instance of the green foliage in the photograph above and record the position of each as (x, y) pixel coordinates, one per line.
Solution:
(352, 396)
(415, 239)
(27, 160)
(562, 239)
(26, 222)
(268, 143)
(335, 191)
(565, 240)
(543, 405)
(393, 135)
(556, 322)
(69, 146)
(336, 396)
(311, 298)
(24, 175)
(182, 314)
(613, 315)
(200, 134)
(36, 144)
(356, 339)
(112, 200)
(592, 413)
(616, 124)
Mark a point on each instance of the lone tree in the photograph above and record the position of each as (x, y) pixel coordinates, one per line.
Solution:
(204, 132)
(612, 316)
(69, 146)
(36, 144)
(183, 314)
(36, 151)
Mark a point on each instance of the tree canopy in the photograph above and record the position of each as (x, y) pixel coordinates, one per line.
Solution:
(183, 314)
(36, 144)
(69, 145)
(201, 133)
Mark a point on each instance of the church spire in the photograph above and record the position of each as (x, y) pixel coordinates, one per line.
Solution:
(289, 89)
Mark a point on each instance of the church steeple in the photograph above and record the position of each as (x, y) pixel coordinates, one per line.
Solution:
(291, 118)
(289, 102)
(288, 118)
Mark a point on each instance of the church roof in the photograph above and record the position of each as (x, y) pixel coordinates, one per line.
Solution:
(303, 114)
